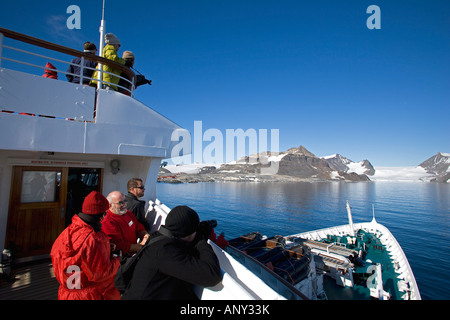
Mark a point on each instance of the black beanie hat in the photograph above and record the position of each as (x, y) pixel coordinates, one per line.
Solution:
(182, 221)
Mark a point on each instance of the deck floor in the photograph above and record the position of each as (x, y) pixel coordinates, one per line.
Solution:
(34, 281)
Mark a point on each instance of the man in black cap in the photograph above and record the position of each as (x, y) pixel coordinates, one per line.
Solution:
(171, 265)
(88, 67)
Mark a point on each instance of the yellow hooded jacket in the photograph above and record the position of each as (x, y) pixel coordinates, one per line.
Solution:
(109, 53)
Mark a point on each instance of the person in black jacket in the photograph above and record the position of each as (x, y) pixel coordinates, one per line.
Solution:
(136, 190)
(88, 67)
(170, 267)
(139, 79)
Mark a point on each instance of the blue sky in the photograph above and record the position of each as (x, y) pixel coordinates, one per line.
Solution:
(311, 69)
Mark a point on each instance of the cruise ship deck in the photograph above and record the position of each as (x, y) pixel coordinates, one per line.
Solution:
(31, 281)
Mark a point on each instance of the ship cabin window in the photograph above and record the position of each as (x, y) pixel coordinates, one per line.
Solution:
(40, 186)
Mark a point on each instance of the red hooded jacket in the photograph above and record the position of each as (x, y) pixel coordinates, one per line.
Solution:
(50, 73)
(82, 249)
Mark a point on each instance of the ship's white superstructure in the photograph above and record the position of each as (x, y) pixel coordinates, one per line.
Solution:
(58, 132)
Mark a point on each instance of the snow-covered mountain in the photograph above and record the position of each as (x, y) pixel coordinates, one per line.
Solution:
(341, 163)
(301, 163)
(438, 165)
(297, 163)
(434, 169)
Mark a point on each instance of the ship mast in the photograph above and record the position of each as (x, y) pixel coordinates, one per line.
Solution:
(102, 43)
(350, 219)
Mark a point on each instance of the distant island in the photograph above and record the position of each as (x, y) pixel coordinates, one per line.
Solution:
(298, 164)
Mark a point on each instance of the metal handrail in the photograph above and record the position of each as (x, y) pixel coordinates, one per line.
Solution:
(65, 50)
(57, 70)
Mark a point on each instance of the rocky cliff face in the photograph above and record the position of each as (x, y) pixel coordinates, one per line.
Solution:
(340, 163)
(299, 162)
(370, 170)
(295, 164)
(303, 166)
(438, 165)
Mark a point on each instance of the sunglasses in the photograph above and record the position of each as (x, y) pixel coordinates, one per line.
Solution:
(141, 187)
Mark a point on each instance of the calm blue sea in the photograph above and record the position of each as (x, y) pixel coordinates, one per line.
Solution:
(417, 214)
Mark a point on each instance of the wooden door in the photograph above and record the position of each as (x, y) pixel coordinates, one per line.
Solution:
(36, 209)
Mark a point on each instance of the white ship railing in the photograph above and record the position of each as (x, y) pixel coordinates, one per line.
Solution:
(30, 59)
(238, 283)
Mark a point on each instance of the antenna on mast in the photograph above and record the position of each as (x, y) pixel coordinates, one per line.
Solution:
(373, 213)
(102, 44)
(350, 219)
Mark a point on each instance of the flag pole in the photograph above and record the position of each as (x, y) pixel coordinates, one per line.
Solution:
(102, 43)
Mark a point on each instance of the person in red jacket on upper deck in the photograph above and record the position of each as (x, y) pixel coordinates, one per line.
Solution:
(81, 255)
(52, 74)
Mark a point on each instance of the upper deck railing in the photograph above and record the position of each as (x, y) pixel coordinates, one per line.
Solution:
(66, 117)
(64, 50)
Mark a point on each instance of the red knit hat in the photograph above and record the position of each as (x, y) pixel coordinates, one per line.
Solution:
(95, 203)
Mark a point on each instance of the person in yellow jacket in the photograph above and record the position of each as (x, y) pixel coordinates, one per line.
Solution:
(110, 52)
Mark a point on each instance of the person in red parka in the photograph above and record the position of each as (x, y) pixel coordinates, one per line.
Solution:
(52, 74)
(122, 226)
(81, 255)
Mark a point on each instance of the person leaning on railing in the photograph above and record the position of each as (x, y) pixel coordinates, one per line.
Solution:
(138, 79)
(74, 69)
(110, 52)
